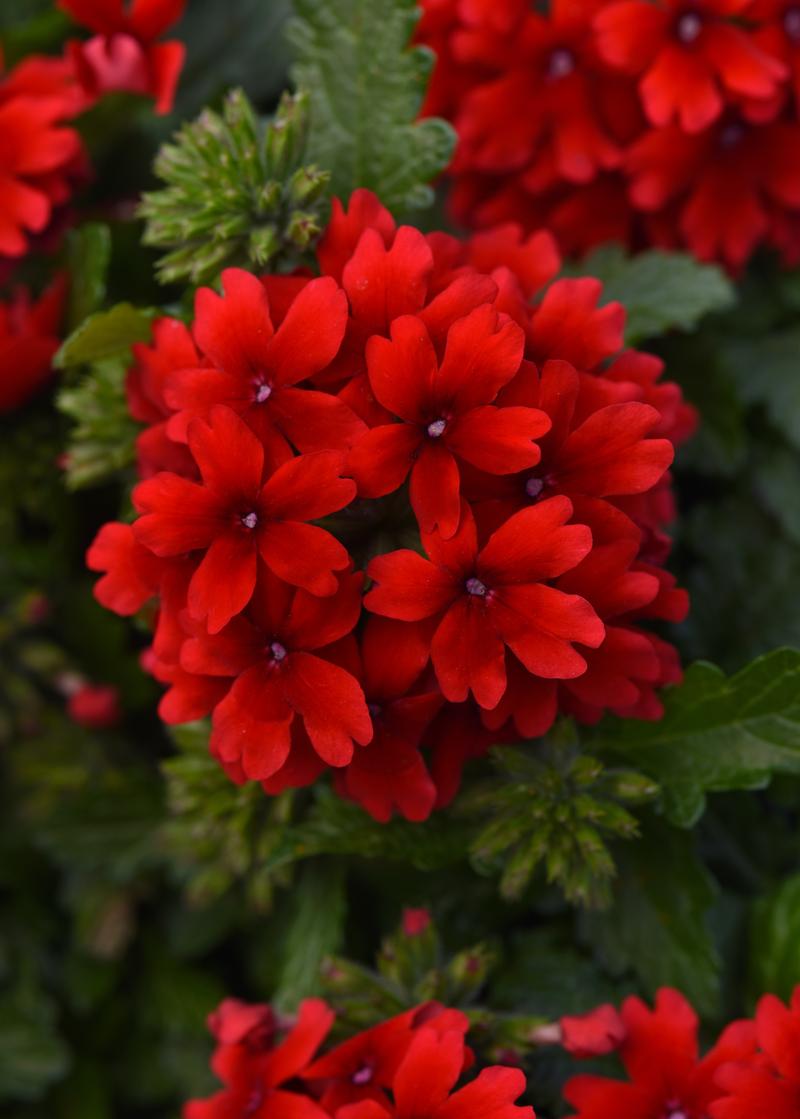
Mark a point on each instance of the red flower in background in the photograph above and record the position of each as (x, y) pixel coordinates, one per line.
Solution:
(40, 156)
(123, 54)
(668, 1078)
(29, 338)
(674, 122)
(95, 706)
(407, 1067)
(511, 427)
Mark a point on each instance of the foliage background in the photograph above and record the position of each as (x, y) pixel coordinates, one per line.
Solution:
(138, 886)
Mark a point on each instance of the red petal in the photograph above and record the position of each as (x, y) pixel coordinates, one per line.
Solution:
(307, 487)
(180, 516)
(540, 623)
(394, 655)
(235, 330)
(480, 358)
(534, 544)
(429, 1070)
(223, 584)
(252, 724)
(468, 654)
(408, 587)
(401, 371)
(490, 1096)
(311, 333)
(381, 459)
(315, 421)
(498, 440)
(331, 704)
(315, 622)
(304, 555)
(230, 457)
(384, 284)
(434, 490)
(132, 572)
(314, 1021)
(608, 454)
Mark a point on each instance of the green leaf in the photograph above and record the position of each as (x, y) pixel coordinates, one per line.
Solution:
(367, 87)
(717, 733)
(775, 940)
(765, 370)
(89, 254)
(32, 1056)
(104, 335)
(316, 925)
(661, 290)
(657, 924)
(102, 441)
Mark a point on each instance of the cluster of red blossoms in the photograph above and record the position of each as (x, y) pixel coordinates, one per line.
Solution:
(41, 156)
(404, 1068)
(752, 1072)
(399, 512)
(664, 122)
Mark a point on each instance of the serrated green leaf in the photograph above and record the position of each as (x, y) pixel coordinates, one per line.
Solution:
(367, 86)
(657, 924)
(106, 334)
(717, 733)
(661, 290)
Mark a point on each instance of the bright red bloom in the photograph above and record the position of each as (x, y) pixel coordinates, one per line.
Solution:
(424, 1081)
(722, 189)
(123, 54)
(255, 1082)
(668, 1079)
(40, 158)
(95, 706)
(29, 338)
(769, 1086)
(256, 369)
(446, 412)
(493, 598)
(234, 516)
(277, 659)
(692, 57)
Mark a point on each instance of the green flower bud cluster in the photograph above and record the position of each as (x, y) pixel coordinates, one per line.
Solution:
(237, 192)
(555, 811)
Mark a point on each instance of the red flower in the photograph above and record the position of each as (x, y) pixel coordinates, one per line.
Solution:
(240, 1023)
(446, 412)
(172, 349)
(668, 1080)
(277, 659)
(416, 922)
(255, 1082)
(29, 338)
(692, 55)
(425, 1079)
(234, 516)
(123, 54)
(721, 190)
(769, 1086)
(496, 597)
(256, 369)
(390, 772)
(95, 706)
(40, 156)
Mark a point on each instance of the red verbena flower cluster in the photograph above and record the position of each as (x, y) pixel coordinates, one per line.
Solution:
(751, 1072)
(664, 122)
(404, 1068)
(398, 512)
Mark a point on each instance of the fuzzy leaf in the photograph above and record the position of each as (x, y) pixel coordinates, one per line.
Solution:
(657, 923)
(315, 931)
(88, 260)
(367, 86)
(718, 733)
(661, 290)
(104, 335)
